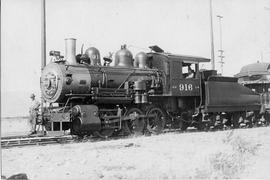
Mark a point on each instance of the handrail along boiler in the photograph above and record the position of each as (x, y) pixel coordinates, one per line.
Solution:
(149, 93)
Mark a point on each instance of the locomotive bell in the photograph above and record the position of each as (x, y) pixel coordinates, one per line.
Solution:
(93, 54)
(140, 60)
(123, 57)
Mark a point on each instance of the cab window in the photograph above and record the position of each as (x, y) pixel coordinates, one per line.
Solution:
(189, 70)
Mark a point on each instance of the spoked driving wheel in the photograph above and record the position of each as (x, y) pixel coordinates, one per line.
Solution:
(156, 119)
(134, 126)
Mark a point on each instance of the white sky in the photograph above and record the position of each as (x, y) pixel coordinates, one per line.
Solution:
(177, 26)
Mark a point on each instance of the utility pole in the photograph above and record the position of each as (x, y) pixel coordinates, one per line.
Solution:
(261, 56)
(212, 37)
(43, 45)
(43, 34)
(221, 51)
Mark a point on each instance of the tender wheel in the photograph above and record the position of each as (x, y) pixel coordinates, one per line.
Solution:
(156, 120)
(183, 125)
(104, 133)
(267, 118)
(201, 122)
(237, 119)
(136, 125)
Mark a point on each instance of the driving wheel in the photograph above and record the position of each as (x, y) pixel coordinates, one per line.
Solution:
(156, 119)
(134, 126)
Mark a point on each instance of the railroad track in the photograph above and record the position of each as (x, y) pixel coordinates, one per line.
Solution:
(30, 141)
(20, 141)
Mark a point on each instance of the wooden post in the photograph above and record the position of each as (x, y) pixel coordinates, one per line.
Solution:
(212, 38)
(43, 34)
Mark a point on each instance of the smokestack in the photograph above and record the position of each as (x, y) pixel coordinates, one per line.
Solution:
(70, 50)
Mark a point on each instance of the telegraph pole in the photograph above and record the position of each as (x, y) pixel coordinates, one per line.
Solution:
(221, 51)
(212, 37)
(43, 34)
(43, 45)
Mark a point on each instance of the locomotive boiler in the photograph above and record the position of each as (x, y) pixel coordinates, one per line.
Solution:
(156, 90)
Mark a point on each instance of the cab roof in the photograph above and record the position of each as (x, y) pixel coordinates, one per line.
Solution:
(184, 58)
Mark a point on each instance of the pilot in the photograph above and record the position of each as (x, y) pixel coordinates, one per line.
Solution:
(33, 112)
(191, 73)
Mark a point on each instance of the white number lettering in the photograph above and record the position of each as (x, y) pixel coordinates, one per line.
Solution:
(181, 87)
(185, 87)
(190, 87)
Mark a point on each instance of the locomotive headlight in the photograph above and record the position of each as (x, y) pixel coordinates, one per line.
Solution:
(50, 84)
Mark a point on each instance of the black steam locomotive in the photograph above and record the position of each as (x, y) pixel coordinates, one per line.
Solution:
(154, 91)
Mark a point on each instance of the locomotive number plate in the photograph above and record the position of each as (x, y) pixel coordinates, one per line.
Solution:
(185, 87)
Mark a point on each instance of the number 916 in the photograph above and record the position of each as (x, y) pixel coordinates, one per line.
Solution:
(185, 87)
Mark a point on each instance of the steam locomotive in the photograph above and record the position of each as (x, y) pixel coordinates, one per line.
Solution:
(154, 91)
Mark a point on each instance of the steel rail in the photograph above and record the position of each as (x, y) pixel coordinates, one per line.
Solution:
(27, 141)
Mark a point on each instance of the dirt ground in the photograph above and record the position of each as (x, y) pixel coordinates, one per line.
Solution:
(243, 153)
(15, 126)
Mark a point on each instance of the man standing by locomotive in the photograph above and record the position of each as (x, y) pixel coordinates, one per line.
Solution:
(33, 112)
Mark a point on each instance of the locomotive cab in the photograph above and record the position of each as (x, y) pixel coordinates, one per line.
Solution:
(181, 73)
(182, 89)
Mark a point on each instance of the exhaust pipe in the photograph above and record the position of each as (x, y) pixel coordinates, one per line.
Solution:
(70, 44)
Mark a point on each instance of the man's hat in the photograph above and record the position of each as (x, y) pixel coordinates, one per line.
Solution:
(32, 95)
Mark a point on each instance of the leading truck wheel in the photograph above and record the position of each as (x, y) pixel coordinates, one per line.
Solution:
(183, 125)
(134, 126)
(156, 119)
(76, 124)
